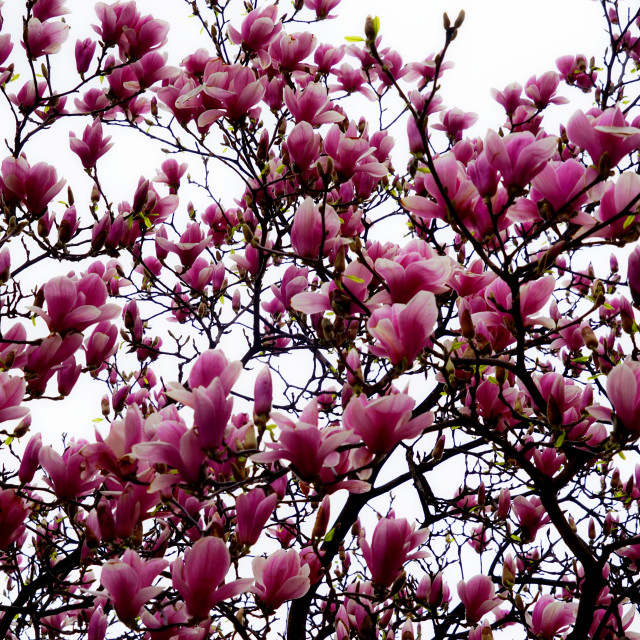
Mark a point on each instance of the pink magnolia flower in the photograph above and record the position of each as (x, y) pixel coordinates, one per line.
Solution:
(352, 154)
(290, 49)
(6, 46)
(211, 380)
(30, 459)
(405, 278)
(294, 281)
(384, 422)
(314, 230)
(102, 344)
(84, 51)
(171, 173)
(531, 516)
(33, 186)
(519, 156)
(306, 446)
(258, 30)
(13, 513)
(70, 474)
(263, 392)
(45, 38)
(551, 616)
(92, 146)
(200, 574)
(142, 36)
(76, 304)
(511, 98)
(542, 90)
(403, 330)
(434, 591)
(128, 583)
(559, 183)
(478, 597)
(47, 9)
(322, 7)
(352, 80)
(192, 243)
(607, 133)
(280, 577)
(303, 146)
(454, 121)
(392, 542)
(114, 18)
(311, 105)
(253, 509)
(574, 70)
(12, 391)
(460, 191)
(623, 389)
(619, 199)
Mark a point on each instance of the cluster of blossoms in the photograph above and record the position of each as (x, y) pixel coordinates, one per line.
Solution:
(481, 349)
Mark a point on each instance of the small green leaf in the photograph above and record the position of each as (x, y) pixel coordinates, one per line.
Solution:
(9, 440)
(281, 169)
(97, 420)
(628, 221)
(354, 39)
(329, 536)
(560, 439)
(376, 25)
(355, 279)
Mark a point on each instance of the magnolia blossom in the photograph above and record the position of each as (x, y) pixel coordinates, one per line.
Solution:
(478, 597)
(391, 547)
(128, 583)
(384, 422)
(200, 574)
(623, 384)
(551, 617)
(403, 330)
(280, 577)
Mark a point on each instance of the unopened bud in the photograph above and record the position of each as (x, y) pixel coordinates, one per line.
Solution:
(592, 529)
(589, 337)
(235, 301)
(370, 30)
(322, 519)
(508, 579)
(438, 450)
(466, 324)
(459, 20)
(105, 405)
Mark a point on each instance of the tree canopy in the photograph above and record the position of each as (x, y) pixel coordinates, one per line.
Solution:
(384, 384)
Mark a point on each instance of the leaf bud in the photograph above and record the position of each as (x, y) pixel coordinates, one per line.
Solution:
(466, 324)
(438, 450)
(589, 337)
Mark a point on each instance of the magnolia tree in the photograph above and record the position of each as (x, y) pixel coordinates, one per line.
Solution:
(344, 332)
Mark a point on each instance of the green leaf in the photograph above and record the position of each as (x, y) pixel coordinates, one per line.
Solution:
(9, 440)
(560, 439)
(355, 279)
(97, 420)
(354, 39)
(628, 221)
(376, 25)
(329, 536)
